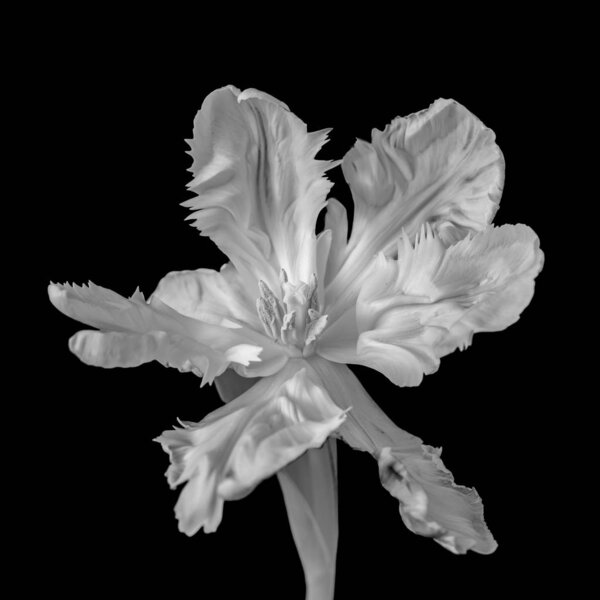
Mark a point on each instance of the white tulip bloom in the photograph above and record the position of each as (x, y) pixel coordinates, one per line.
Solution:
(422, 271)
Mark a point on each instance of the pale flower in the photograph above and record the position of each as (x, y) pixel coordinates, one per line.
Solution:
(422, 271)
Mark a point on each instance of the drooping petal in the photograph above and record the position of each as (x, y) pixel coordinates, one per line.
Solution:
(134, 332)
(439, 166)
(430, 503)
(430, 300)
(259, 188)
(309, 486)
(250, 438)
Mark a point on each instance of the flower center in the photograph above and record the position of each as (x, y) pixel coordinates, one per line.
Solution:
(294, 321)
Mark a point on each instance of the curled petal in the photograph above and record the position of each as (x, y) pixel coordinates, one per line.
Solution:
(439, 166)
(259, 188)
(134, 332)
(250, 438)
(431, 504)
(430, 300)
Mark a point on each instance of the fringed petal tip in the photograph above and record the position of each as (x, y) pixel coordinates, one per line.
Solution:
(198, 506)
(431, 504)
(58, 293)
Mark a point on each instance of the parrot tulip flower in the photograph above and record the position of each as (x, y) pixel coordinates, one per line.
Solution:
(422, 270)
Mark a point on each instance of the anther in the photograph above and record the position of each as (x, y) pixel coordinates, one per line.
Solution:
(267, 317)
(313, 296)
(272, 300)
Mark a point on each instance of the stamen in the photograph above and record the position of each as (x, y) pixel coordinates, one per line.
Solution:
(313, 296)
(272, 300)
(267, 317)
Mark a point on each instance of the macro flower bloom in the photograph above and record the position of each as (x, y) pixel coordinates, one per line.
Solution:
(422, 270)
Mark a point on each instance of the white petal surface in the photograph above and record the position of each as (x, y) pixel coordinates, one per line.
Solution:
(309, 486)
(218, 297)
(430, 300)
(430, 503)
(134, 332)
(234, 448)
(336, 222)
(117, 349)
(439, 166)
(259, 186)
(230, 385)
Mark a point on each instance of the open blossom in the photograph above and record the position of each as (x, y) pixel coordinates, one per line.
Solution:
(422, 271)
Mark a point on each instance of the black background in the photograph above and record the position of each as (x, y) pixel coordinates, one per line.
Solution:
(109, 171)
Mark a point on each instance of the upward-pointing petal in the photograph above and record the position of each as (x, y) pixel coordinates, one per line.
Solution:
(439, 166)
(259, 188)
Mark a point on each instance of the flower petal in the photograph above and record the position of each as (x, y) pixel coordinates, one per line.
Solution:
(230, 385)
(259, 186)
(336, 221)
(309, 486)
(431, 504)
(135, 332)
(217, 297)
(439, 166)
(430, 300)
(117, 349)
(234, 448)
